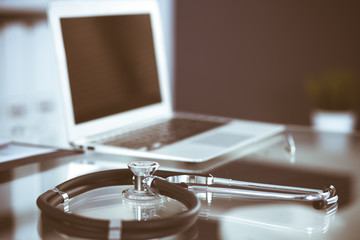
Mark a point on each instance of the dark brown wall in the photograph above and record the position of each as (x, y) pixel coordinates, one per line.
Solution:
(248, 59)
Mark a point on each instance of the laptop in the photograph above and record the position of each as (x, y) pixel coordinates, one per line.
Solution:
(116, 92)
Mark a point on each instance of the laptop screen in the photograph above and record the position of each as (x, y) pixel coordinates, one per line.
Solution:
(111, 64)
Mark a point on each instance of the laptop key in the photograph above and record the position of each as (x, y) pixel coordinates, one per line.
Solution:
(162, 134)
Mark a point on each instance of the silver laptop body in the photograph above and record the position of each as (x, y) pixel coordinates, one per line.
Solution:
(114, 83)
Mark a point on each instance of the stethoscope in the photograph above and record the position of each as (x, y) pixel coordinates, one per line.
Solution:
(148, 188)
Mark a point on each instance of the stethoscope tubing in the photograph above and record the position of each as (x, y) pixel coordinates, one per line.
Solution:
(97, 228)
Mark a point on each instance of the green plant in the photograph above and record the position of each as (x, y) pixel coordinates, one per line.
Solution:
(335, 91)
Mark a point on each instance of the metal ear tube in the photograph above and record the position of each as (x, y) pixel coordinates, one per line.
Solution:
(319, 198)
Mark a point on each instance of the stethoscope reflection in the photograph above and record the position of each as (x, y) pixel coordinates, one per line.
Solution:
(249, 218)
(110, 203)
(47, 232)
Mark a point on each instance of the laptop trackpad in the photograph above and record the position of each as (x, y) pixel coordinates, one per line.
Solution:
(222, 139)
(204, 147)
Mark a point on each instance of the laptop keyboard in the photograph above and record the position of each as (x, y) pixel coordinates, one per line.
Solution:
(163, 133)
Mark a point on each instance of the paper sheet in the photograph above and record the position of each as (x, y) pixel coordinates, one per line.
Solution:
(9, 152)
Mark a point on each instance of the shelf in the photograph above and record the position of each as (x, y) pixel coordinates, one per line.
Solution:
(21, 10)
(29, 12)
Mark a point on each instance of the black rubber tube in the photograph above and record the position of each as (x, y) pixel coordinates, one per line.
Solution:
(79, 226)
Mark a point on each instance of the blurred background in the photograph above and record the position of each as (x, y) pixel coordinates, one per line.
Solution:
(274, 61)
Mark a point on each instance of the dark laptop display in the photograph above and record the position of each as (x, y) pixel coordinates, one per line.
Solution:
(111, 64)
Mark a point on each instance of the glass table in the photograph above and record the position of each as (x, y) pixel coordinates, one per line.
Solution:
(321, 159)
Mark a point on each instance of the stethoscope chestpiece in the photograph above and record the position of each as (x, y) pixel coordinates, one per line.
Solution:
(142, 191)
